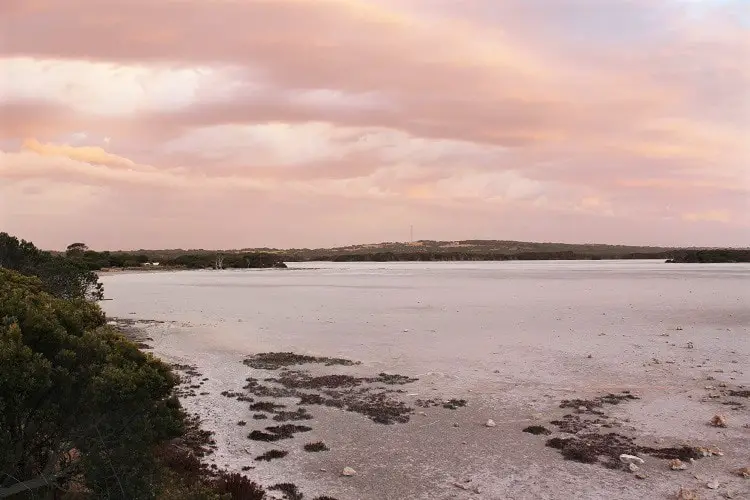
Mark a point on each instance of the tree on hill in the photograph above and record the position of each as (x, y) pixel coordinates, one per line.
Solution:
(76, 249)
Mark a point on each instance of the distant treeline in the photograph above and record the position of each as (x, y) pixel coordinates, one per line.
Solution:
(673, 256)
(96, 261)
(710, 256)
(472, 256)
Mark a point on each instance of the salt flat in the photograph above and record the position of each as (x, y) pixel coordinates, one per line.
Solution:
(512, 338)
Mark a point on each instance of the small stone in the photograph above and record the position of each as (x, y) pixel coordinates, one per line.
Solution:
(582, 408)
(677, 464)
(348, 471)
(630, 459)
(477, 490)
(496, 371)
(464, 442)
(744, 472)
(632, 467)
(713, 484)
(589, 356)
(490, 423)
(709, 388)
(323, 470)
(422, 413)
(719, 420)
(455, 424)
(640, 475)
(686, 494)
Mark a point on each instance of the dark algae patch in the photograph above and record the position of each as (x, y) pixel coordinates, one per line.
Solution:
(264, 436)
(288, 430)
(298, 414)
(454, 404)
(592, 446)
(316, 447)
(290, 491)
(301, 380)
(265, 406)
(276, 360)
(373, 397)
(278, 432)
(451, 404)
(392, 379)
(271, 455)
(538, 430)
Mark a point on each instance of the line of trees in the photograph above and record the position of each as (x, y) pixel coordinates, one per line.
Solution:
(96, 261)
(679, 256)
(476, 256)
(724, 255)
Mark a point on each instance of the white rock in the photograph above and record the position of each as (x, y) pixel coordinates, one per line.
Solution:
(630, 459)
(632, 467)
(490, 423)
(677, 464)
(348, 471)
(719, 421)
(713, 484)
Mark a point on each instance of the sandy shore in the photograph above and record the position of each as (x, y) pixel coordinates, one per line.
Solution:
(684, 368)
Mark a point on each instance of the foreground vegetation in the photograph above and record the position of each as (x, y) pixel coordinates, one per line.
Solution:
(84, 414)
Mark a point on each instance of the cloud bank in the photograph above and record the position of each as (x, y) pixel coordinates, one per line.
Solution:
(237, 123)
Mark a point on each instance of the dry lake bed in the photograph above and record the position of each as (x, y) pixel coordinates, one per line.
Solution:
(397, 368)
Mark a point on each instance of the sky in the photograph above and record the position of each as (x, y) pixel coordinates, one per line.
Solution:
(132, 124)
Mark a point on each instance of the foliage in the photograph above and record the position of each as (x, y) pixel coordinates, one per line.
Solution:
(62, 276)
(725, 255)
(78, 401)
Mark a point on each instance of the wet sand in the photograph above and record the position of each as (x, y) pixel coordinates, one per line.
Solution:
(512, 339)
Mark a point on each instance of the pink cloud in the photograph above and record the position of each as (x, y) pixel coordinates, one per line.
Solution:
(453, 115)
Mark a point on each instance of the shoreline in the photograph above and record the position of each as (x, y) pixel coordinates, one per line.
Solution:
(463, 429)
(515, 344)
